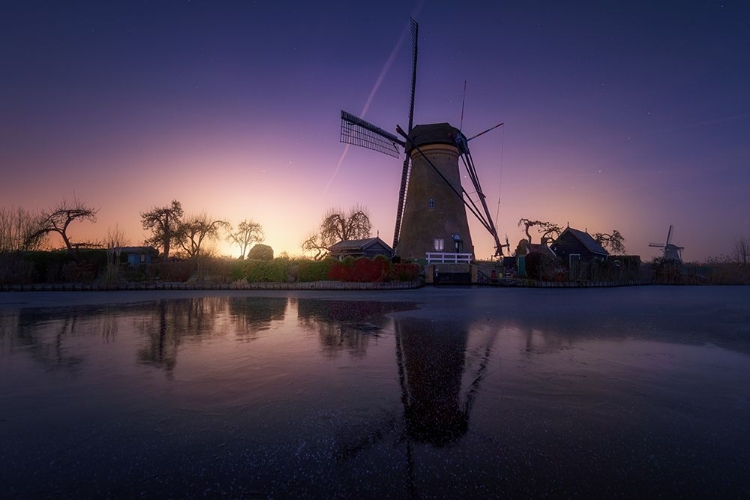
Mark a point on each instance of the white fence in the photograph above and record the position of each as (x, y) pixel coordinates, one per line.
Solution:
(448, 258)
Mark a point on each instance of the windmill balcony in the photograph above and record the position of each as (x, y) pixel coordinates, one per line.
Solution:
(448, 258)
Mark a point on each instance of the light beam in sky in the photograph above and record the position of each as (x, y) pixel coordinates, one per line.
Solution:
(375, 87)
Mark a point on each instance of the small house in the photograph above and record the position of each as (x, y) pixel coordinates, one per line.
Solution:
(138, 256)
(574, 245)
(525, 248)
(369, 247)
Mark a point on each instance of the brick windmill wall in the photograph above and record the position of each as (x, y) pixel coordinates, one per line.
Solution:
(433, 211)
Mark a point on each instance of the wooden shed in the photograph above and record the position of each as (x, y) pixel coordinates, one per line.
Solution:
(369, 247)
(574, 245)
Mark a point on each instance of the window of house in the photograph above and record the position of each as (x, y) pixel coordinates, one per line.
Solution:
(143, 258)
(431, 203)
(439, 244)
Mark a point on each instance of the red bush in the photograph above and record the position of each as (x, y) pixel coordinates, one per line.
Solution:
(372, 270)
(360, 270)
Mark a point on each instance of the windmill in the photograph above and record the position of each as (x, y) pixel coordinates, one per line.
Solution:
(432, 203)
(507, 244)
(671, 251)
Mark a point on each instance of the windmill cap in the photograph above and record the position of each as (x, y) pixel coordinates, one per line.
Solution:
(433, 133)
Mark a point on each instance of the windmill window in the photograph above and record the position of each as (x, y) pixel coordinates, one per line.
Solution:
(439, 244)
(431, 203)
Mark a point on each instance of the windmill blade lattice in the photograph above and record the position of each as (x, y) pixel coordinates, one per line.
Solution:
(358, 132)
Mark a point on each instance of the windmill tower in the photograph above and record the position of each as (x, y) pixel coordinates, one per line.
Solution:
(671, 251)
(432, 203)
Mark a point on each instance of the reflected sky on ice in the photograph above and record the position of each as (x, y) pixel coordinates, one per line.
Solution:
(440, 392)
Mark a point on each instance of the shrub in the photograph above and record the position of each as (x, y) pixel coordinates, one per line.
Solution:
(179, 270)
(214, 268)
(405, 272)
(260, 252)
(541, 266)
(341, 270)
(314, 270)
(13, 270)
(46, 267)
(721, 273)
(254, 271)
(361, 270)
(371, 270)
(666, 270)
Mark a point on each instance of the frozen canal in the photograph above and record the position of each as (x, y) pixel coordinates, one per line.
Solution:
(639, 392)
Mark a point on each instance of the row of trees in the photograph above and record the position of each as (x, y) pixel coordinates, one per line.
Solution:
(21, 230)
(170, 228)
(24, 230)
(16, 225)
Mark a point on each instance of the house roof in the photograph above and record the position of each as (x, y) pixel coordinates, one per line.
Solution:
(349, 245)
(139, 249)
(586, 240)
(540, 248)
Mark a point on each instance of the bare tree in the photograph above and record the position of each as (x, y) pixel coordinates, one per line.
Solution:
(115, 241)
(741, 250)
(337, 226)
(58, 220)
(164, 223)
(16, 226)
(116, 238)
(612, 241)
(197, 229)
(247, 233)
(313, 244)
(548, 230)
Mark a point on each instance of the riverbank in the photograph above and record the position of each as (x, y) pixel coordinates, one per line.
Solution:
(313, 285)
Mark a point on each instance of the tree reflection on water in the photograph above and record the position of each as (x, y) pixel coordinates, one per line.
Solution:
(169, 323)
(44, 333)
(346, 325)
(292, 396)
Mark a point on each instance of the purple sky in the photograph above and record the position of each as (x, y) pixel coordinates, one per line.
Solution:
(618, 115)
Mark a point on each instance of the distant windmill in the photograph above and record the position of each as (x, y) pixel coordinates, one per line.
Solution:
(507, 244)
(431, 213)
(671, 251)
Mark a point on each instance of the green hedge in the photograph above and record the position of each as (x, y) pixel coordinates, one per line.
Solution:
(253, 271)
(314, 270)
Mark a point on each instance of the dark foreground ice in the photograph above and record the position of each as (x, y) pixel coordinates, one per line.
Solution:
(639, 392)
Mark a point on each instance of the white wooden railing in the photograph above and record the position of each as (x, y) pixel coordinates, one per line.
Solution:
(448, 258)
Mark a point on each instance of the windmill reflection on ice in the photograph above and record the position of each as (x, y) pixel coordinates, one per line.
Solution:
(432, 203)
(441, 366)
(433, 368)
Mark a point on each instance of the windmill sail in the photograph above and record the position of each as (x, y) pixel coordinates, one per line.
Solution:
(484, 215)
(407, 161)
(356, 131)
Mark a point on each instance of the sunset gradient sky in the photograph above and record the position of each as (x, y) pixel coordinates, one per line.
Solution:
(618, 115)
